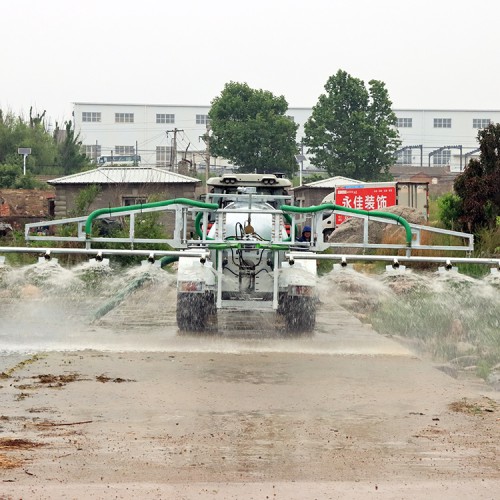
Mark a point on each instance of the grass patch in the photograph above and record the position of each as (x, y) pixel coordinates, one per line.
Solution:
(487, 405)
(459, 317)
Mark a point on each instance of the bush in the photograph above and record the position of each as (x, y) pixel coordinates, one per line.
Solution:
(9, 175)
(449, 209)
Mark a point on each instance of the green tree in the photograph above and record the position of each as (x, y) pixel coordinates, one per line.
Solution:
(86, 196)
(351, 131)
(70, 156)
(16, 133)
(449, 209)
(9, 175)
(478, 187)
(250, 128)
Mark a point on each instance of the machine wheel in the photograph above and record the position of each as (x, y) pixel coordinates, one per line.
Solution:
(193, 310)
(299, 314)
(281, 303)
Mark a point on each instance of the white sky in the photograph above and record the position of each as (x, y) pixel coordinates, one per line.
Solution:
(430, 53)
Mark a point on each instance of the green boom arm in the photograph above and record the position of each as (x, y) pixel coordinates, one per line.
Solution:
(175, 201)
(374, 213)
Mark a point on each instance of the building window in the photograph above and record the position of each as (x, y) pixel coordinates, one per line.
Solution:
(163, 156)
(92, 151)
(442, 158)
(202, 119)
(127, 201)
(124, 117)
(480, 122)
(442, 122)
(124, 150)
(404, 157)
(91, 116)
(404, 122)
(165, 118)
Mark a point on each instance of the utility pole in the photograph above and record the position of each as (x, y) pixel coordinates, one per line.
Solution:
(173, 154)
(300, 160)
(207, 153)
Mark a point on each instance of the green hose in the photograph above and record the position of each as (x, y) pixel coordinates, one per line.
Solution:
(374, 213)
(176, 201)
(197, 225)
(168, 259)
(288, 218)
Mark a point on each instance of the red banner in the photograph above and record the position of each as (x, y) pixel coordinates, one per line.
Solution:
(364, 198)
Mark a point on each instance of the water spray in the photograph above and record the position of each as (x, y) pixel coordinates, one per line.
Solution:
(395, 266)
(342, 265)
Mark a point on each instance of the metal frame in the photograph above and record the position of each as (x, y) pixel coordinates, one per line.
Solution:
(394, 259)
(200, 246)
(417, 230)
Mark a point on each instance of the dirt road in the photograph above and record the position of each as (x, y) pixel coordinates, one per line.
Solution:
(145, 413)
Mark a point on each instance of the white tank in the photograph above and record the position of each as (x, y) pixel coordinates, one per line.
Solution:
(236, 222)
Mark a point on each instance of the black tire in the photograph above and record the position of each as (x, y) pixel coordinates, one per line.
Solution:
(299, 314)
(193, 310)
(281, 303)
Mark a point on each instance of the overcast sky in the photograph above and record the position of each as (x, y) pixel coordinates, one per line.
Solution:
(440, 54)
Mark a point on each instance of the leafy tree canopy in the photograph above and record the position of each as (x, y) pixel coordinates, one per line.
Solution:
(351, 131)
(70, 157)
(60, 152)
(250, 129)
(478, 187)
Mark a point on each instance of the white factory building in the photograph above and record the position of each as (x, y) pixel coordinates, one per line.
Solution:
(164, 135)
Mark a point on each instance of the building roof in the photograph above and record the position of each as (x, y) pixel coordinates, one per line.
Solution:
(125, 175)
(333, 182)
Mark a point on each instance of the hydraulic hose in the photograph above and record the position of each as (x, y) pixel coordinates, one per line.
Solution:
(168, 259)
(374, 213)
(175, 201)
(288, 219)
(197, 225)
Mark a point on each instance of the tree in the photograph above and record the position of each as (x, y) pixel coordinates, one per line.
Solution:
(8, 175)
(251, 130)
(61, 152)
(70, 158)
(351, 130)
(478, 187)
(449, 209)
(16, 133)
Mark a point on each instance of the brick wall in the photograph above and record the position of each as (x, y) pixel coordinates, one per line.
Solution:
(22, 203)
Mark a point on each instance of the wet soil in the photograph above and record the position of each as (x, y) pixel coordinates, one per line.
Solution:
(126, 407)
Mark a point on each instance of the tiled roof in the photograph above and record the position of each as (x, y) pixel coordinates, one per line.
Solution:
(333, 182)
(125, 175)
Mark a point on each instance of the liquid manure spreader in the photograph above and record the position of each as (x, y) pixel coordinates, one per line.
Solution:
(241, 265)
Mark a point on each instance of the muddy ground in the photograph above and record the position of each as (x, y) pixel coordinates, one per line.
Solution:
(125, 407)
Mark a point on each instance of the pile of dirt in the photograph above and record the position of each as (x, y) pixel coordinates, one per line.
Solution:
(351, 231)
